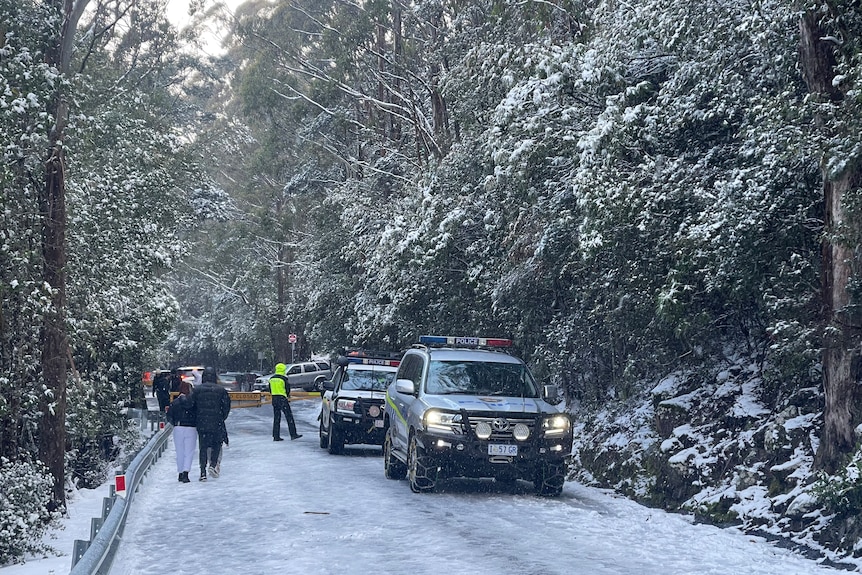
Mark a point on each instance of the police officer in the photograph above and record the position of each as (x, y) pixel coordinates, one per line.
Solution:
(280, 389)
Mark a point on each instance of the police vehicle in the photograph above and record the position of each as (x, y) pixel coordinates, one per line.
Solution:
(461, 407)
(351, 407)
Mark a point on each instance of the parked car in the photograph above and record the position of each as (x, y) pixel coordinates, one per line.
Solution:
(351, 408)
(232, 380)
(261, 382)
(308, 376)
(458, 408)
(191, 374)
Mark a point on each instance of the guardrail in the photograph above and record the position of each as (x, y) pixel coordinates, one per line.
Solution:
(94, 557)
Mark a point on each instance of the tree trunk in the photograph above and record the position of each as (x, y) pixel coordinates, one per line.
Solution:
(52, 431)
(840, 345)
(841, 336)
(52, 437)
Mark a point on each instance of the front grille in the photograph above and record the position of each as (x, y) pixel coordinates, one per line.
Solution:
(365, 407)
(502, 421)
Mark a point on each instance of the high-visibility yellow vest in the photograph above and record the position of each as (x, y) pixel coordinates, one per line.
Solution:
(277, 385)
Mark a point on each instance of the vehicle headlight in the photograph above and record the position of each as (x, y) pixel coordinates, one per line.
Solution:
(345, 405)
(483, 430)
(556, 425)
(442, 420)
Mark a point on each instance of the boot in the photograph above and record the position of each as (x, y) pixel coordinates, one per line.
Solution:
(180, 478)
(184, 477)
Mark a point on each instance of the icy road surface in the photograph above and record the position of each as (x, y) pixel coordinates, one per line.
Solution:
(290, 507)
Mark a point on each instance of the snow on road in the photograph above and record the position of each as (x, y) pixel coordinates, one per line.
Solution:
(290, 507)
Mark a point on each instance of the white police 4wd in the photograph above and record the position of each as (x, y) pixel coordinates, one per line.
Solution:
(351, 407)
(460, 409)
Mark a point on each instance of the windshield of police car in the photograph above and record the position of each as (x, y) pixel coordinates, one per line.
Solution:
(480, 378)
(367, 379)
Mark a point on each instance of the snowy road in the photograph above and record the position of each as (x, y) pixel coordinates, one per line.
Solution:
(290, 507)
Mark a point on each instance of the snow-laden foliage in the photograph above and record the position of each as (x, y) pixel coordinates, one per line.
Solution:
(24, 514)
(629, 189)
(132, 183)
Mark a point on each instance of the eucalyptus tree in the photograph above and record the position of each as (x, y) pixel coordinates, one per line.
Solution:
(831, 62)
(303, 132)
(55, 350)
(130, 206)
(93, 132)
(28, 84)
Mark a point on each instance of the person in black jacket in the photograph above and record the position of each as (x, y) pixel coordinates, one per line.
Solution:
(212, 406)
(182, 415)
(176, 380)
(162, 390)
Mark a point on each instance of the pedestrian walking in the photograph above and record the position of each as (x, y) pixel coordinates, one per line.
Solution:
(182, 415)
(176, 380)
(226, 442)
(212, 406)
(280, 390)
(162, 390)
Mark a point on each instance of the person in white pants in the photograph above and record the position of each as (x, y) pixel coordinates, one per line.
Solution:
(182, 415)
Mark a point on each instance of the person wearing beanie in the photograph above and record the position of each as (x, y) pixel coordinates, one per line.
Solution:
(212, 406)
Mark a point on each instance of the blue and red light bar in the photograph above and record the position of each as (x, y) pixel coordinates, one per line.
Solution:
(465, 341)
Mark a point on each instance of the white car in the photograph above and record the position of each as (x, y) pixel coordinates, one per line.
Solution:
(461, 408)
(351, 408)
(307, 375)
(191, 374)
(261, 383)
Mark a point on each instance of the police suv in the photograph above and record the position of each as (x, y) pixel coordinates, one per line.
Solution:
(351, 407)
(459, 407)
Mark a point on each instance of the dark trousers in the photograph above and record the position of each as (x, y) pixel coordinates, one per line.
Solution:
(164, 401)
(209, 442)
(281, 404)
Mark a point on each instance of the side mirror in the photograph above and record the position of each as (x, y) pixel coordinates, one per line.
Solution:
(551, 394)
(328, 385)
(405, 386)
(342, 361)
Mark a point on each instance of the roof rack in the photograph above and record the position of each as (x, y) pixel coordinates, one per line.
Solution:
(360, 352)
(369, 357)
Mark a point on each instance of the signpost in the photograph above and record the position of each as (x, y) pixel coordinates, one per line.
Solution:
(291, 339)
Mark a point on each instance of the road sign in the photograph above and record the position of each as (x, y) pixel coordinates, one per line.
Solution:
(291, 338)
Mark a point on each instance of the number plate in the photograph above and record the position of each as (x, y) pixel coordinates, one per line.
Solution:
(378, 423)
(500, 449)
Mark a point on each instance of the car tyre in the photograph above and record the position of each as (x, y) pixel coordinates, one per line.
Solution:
(421, 469)
(393, 468)
(324, 438)
(550, 477)
(336, 439)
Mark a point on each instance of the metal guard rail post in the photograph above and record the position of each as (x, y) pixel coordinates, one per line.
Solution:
(99, 555)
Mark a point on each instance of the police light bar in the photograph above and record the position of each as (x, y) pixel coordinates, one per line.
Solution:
(464, 341)
(373, 361)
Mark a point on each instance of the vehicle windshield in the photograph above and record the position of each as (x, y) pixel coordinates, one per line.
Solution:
(480, 378)
(367, 379)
